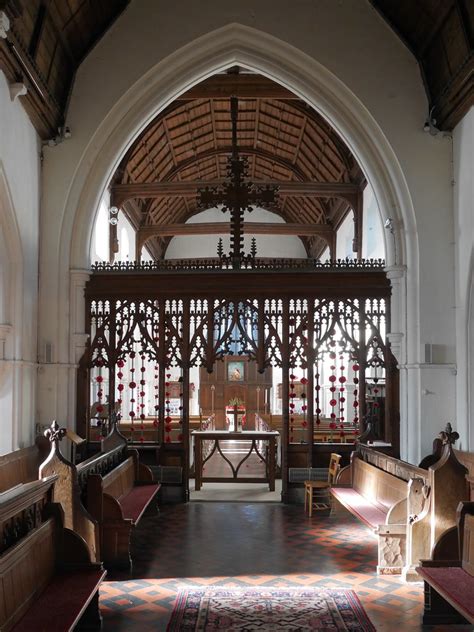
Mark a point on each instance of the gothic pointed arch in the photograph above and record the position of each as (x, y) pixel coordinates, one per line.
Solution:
(309, 80)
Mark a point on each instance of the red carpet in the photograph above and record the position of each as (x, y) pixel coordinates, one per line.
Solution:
(250, 609)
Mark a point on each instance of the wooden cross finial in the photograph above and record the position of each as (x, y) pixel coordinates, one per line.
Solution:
(448, 435)
(236, 196)
(55, 434)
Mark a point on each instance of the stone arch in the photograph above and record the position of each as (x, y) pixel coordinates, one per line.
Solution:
(11, 292)
(281, 62)
(11, 259)
(470, 358)
(312, 82)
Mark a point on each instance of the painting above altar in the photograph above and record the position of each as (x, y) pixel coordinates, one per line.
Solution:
(236, 371)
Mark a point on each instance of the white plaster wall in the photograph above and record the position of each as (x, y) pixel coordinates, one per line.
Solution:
(373, 246)
(345, 237)
(463, 161)
(385, 92)
(19, 228)
(206, 245)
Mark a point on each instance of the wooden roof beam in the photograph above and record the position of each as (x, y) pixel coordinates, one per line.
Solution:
(241, 86)
(120, 193)
(144, 233)
(220, 228)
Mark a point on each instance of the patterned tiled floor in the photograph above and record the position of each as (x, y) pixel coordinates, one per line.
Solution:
(238, 544)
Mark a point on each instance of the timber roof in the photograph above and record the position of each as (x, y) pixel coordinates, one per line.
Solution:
(284, 140)
(48, 40)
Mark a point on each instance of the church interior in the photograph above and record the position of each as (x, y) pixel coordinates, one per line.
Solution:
(236, 315)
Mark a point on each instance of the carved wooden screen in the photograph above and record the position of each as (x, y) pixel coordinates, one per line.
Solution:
(325, 333)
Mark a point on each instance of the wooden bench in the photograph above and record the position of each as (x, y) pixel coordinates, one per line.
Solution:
(449, 583)
(118, 500)
(48, 582)
(407, 507)
(113, 488)
(22, 465)
(68, 493)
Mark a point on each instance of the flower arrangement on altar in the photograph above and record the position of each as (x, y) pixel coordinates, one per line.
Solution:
(236, 401)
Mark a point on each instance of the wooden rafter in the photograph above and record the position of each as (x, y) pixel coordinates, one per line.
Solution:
(122, 192)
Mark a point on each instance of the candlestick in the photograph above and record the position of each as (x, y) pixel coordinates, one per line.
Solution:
(213, 388)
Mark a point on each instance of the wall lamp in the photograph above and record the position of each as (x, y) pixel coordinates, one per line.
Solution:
(430, 124)
(113, 216)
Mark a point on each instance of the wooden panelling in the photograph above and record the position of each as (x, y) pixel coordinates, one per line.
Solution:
(468, 545)
(440, 35)
(21, 466)
(120, 480)
(25, 571)
(380, 487)
(45, 45)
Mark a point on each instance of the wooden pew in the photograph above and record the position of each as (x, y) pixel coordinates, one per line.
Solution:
(408, 507)
(118, 498)
(105, 496)
(68, 492)
(449, 583)
(48, 582)
(22, 465)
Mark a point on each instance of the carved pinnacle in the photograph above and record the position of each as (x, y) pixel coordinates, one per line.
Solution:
(448, 435)
(54, 433)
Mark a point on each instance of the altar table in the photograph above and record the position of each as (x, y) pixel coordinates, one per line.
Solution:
(254, 436)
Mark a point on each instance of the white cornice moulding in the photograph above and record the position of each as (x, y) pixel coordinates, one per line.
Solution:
(56, 365)
(395, 272)
(4, 25)
(80, 273)
(424, 365)
(17, 90)
(5, 330)
(25, 363)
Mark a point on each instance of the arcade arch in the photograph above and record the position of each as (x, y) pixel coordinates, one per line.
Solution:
(275, 59)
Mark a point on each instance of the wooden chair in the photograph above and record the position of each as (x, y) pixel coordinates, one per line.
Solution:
(316, 493)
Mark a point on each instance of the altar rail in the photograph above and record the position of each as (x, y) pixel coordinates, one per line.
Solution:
(214, 437)
(146, 432)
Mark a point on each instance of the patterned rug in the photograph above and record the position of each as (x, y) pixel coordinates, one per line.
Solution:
(270, 609)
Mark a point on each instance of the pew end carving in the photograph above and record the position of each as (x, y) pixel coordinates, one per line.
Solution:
(67, 492)
(114, 438)
(449, 486)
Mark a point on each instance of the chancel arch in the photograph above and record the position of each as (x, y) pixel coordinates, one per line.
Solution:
(264, 54)
(233, 45)
(320, 327)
